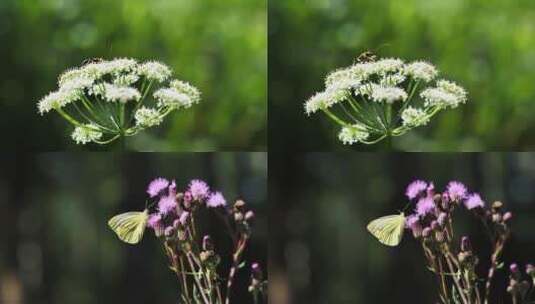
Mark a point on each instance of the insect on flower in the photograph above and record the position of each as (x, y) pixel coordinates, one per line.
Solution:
(380, 98)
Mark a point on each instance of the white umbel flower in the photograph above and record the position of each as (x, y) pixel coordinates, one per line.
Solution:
(315, 103)
(171, 97)
(187, 89)
(125, 80)
(446, 94)
(146, 117)
(453, 88)
(353, 134)
(391, 80)
(57, 100)
(154, 70)
(421, 70)
(388, 94)
(115, 93)
(389, 65)
(85, 134)
(413, 117)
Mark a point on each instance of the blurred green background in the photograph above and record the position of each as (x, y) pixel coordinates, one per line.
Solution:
(322, 253)
(484, 45)
(56, 247)
(218, 46)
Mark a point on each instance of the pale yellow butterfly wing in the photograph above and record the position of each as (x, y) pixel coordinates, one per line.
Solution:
(388, 229)
(129, 226)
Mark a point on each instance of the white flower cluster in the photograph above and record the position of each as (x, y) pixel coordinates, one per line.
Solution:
(118, 81)
(85, 134)
(446, 94)
(373, 89)
(413, 117)
(353, 134)
(147, 117)
(381, 80)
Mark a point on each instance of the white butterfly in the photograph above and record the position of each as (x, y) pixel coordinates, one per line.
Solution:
(388, 229)
(129, 226)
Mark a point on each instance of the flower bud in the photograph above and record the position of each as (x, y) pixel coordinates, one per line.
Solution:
(249, 215)
(176, 224)
(207, 244)
(442, 218)
(437, 198)
(256, 271)
(434, 225)
(496, 206)
(496, 217)
(184, 218)
(239, 204)
(187, 200)
(515, 272)
(507, 216)
(238, 216)
(465, 244)
(445, 204)
(426, 232)
(169, 231)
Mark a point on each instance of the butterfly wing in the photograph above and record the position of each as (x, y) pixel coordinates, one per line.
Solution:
(388, 229)
(129, 226)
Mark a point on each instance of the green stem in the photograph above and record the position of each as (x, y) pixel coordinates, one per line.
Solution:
(333, 117)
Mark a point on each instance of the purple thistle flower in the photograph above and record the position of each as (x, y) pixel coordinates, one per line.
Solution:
(425, 206)
(415, 189)
(216, 200)
(474, 201)
(413, 223)
(155, 222)
(167, 204)
(199, 189)
(456, 191)
(156, 186)
(172, 188)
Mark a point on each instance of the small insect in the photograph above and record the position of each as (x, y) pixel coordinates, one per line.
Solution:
(366, 56)
(129, 226)
(92, 60)
(388, 229)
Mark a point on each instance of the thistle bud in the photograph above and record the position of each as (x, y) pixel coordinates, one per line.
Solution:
(239, 204)
(256, 271)
(207, 244)
(249, 215)
(426, 232)
(496, 206)
(437, 198)
(465, 244)
(184, 218)
(507, 216)
(238, 216)
(496, 217)
(442, 218)
(169, 231)
(445, 204)
(434, 225)
(187, 200)
(515, 272)
(176, 224)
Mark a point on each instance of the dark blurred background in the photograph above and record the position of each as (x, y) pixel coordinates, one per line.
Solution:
(484, 45)
(321, 252)
(56, 247)
(218, 46)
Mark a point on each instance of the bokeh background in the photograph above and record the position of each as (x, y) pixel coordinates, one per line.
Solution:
(55, 246)
(218, 46)
(321, 252)
(486, 46)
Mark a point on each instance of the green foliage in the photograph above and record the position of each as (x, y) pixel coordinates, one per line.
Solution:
(220, 47)
(486, 46)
